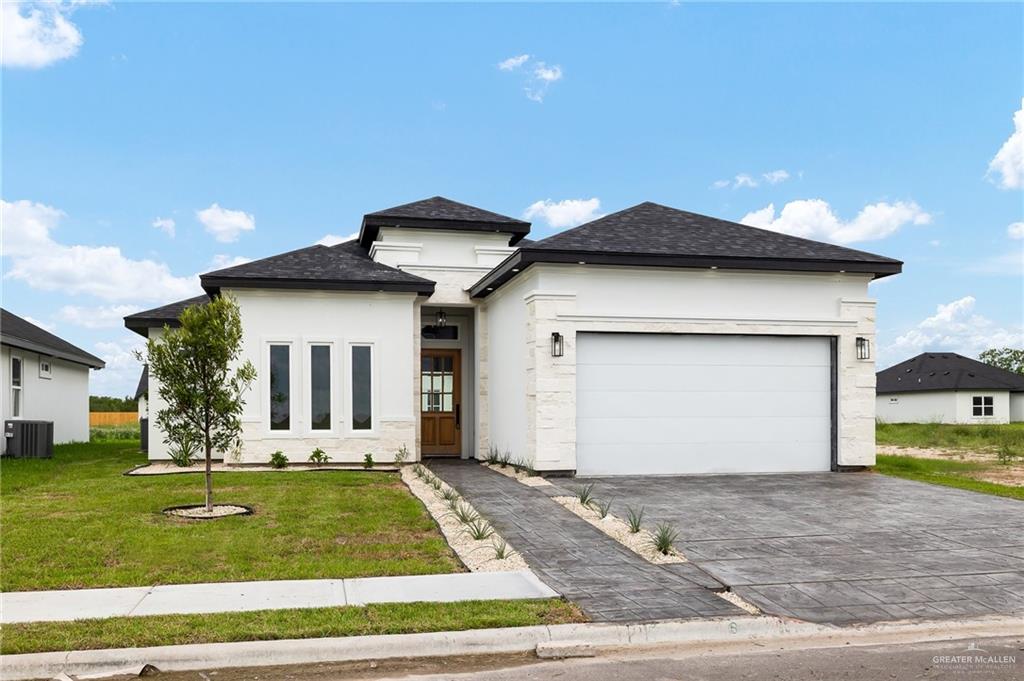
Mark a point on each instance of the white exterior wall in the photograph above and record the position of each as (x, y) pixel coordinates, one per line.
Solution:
(1016, 407)
(387, 321)
(63, 398)
(572, 299)
(944, 406)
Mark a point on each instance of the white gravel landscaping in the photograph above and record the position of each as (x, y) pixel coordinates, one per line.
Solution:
(169, 468)
(200, 512)
(640, 543)
(517, 474)
(478, 555)
(736, 600)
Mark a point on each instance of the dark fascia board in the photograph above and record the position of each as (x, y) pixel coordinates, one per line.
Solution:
(213, 285)
(142, 325)
(910, 391)
(525, 257)
(370, 228)
(29, 346)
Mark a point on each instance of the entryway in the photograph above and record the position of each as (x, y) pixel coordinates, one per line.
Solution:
(441, 402)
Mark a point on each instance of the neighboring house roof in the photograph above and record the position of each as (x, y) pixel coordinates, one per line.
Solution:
(653, 235)
(143, 382)
(20, 333)
(440, 213)
(945, 371)
(344, 267)
(165, 315)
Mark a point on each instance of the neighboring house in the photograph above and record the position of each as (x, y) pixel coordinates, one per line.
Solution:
(651, 340)
(45, 378)
(944, 387)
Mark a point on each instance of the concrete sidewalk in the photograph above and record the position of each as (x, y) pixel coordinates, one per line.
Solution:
(176, 599)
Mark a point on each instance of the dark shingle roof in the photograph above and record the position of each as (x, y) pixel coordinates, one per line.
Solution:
(161, 316)
(653, 235)
(440, 213)
(346, 266)
(20, 333)
(143, 382)
(945, 371)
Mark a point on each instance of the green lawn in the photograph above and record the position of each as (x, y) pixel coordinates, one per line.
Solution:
(74, 521)
(945, 472)
(265, 625)
(1008, 437)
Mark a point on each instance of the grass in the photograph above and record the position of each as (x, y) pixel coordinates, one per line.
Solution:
(944, 472)
(265, 625)
(74, 522)
(114, 433)
(988, 437)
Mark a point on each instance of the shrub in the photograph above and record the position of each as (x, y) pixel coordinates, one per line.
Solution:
(501, 549)
(464, 513)
(278, 459)
(505, 458)
(479, 529)
(401, 455)
(603, 508)
(634, 518)
(184, 450)
(448, 494)
(1006, 454)
(435, 482)
(368, 460)
(319, 457)
(585, 495)
(663, 538)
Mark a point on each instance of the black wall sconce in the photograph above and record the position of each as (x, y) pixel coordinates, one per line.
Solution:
(863, 348)
(442, 319)
(557, 344)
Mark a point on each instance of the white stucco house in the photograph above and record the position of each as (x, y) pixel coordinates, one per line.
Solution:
(44, 378)
(649, 341)
(944, 387)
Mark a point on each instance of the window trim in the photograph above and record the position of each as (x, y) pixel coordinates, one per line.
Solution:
(307, 384)
(272, 432)
(350, 428)
(20, 387)
(983, 403)
(48, 373)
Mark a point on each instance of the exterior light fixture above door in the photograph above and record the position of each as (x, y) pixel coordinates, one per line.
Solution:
(442, 319)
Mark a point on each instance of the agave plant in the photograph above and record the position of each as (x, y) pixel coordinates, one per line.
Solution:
(585, 495)
(634, 518)
(501, 549)
(479, 529)
(603, 508)
(663, 538)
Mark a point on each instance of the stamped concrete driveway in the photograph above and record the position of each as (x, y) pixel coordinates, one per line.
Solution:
(841, 547)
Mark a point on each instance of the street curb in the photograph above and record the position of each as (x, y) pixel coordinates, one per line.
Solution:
(595, 637)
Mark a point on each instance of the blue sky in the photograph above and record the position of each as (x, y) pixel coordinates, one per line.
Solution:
(259, 128)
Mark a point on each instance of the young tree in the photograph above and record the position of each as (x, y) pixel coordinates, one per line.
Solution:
(193, 365)
(1011, 359)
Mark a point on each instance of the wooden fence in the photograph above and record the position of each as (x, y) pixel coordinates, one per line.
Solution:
(113, 418)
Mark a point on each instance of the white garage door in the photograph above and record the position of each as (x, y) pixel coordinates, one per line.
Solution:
(676, 404)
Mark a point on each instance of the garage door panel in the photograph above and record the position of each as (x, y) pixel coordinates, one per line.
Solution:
(710, 458)
(651, 403)
(702, 430)
(661, 349)
(691, 378)
(677, 404)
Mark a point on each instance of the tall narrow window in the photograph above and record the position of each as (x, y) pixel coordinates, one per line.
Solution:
(15, 387)
(280, 388)
(362, 387)
(320, 387)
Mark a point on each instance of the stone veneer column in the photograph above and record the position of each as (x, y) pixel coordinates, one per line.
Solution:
(856, 385)
(483, 403)
(550, 383)
(417, 311)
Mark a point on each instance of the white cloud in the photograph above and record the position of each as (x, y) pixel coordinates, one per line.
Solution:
(775, 176)
(744, 180)
(1008, 163)
(37, 34)
(334, 239)
(165, 225)
(513, 63)
(98, 317)
(102, 271)
(1015, 230)
(1010, 264)
(567, 213)
(225, 225)
(221, 261)
(953, 328)
(122, 371)
(547, 74)
(720, 184)
(814, 219)
(47, 326)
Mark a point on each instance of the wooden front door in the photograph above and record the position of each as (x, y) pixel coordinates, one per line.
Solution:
(440, 402)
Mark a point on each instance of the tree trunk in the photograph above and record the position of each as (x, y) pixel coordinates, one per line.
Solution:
(209, 474)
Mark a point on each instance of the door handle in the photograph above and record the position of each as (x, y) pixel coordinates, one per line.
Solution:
(458, 417)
